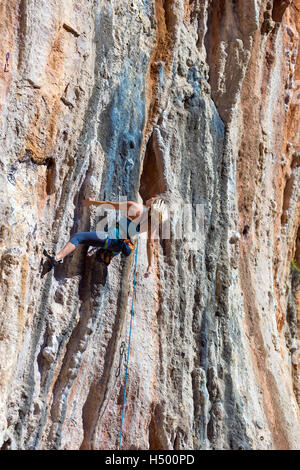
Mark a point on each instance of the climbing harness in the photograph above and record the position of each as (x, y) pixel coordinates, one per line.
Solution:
(106, 255)
(127, 361)
(122, 353)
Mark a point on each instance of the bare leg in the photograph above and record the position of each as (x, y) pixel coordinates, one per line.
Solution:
(67, 249)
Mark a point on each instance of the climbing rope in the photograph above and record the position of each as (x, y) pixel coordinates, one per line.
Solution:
(126, 373)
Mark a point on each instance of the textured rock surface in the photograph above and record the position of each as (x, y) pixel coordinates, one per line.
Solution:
(107, 98)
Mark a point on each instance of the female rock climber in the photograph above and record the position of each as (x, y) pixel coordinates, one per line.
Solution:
(121, 238)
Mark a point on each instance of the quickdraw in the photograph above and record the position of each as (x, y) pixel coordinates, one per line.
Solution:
(105, 256)
(6, 67)
(129, 243)
(122, 353)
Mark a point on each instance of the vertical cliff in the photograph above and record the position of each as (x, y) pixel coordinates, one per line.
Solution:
(112, 98)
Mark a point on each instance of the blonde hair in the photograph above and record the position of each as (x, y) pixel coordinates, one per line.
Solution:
(159, 208)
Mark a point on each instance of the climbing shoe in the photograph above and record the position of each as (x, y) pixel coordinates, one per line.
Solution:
(51, 258)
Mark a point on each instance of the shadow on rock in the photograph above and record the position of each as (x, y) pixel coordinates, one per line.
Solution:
(68, 269)
(46, 268)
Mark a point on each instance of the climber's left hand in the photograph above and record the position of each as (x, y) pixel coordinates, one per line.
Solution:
(149, 271)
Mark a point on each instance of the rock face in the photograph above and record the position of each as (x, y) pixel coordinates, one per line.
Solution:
(112, 98)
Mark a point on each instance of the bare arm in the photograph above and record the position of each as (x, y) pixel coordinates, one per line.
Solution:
(125, 205)
(151, 245)
(150, 250)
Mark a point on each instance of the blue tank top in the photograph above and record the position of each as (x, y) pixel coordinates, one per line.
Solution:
(125, 228)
